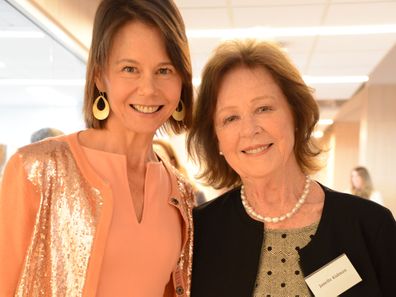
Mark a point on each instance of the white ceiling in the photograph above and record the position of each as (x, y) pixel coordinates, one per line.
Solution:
(35, 71)
(348, 55)
(317, 56)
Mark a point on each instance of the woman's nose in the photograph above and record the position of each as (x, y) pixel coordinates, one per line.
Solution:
(146, 85)
(250, 126)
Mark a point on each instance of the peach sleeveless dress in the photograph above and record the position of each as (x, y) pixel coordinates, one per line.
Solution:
(140, 256)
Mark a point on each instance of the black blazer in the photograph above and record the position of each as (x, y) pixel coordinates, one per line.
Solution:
(227, 245)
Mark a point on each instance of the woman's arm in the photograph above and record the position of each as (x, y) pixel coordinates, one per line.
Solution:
(18, 208)
(384, 257)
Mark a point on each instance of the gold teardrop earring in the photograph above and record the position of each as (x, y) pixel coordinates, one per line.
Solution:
(101, 107)
(180, 112)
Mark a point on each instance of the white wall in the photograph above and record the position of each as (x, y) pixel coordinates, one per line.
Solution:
(18, 123)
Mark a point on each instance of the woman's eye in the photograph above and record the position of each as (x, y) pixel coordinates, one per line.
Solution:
(129, 69)
(230, 119)
(164, 70)
(263, 109)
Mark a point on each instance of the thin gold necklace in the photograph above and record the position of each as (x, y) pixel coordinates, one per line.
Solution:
(281, 218)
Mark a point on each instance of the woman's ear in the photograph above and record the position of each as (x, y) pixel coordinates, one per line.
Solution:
(99, 81)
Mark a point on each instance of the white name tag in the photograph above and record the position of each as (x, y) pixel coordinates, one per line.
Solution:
(334, 278)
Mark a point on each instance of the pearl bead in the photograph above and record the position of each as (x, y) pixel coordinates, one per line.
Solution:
(281, 218)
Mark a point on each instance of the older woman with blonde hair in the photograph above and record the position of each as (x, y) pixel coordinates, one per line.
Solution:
(277, 229)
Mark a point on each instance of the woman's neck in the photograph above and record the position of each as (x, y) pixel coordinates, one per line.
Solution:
(278, 187)
(137, 148)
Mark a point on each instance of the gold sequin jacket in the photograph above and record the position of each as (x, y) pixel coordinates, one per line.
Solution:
(55, 213)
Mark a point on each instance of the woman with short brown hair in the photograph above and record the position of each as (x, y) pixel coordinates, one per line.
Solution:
(202, 140)
(276, 226)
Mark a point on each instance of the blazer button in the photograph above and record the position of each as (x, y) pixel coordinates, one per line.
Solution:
(179, 290)
(174, 201)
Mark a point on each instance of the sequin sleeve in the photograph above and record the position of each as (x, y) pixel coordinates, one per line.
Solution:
(18, 208)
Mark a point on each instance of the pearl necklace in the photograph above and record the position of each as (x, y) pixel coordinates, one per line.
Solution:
(288, 215)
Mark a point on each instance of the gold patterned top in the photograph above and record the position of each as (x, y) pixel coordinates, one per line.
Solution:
(279, 271)
(55, 213)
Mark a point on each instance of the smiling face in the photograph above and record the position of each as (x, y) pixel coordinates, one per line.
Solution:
(254, 123)
(141, 84)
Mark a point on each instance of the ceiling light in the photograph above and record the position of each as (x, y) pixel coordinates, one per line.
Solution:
(267, 32)
(42, 82)
(319, 79)
(335, 79)
(334, 30)
(318, 134)
(251, 32)
(21, 34)
(325, 122)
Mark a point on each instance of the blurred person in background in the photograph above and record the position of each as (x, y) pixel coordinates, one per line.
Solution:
(165, 149)
(362, 185)
(3, 158)
(252, 132)
(44, 133)
(85, 214)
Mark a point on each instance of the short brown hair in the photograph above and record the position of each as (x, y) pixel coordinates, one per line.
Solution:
(202, 142)
(110, 16)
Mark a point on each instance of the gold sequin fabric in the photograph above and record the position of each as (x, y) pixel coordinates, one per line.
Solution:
(187, 203)
(57, 259)
(279, 272)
